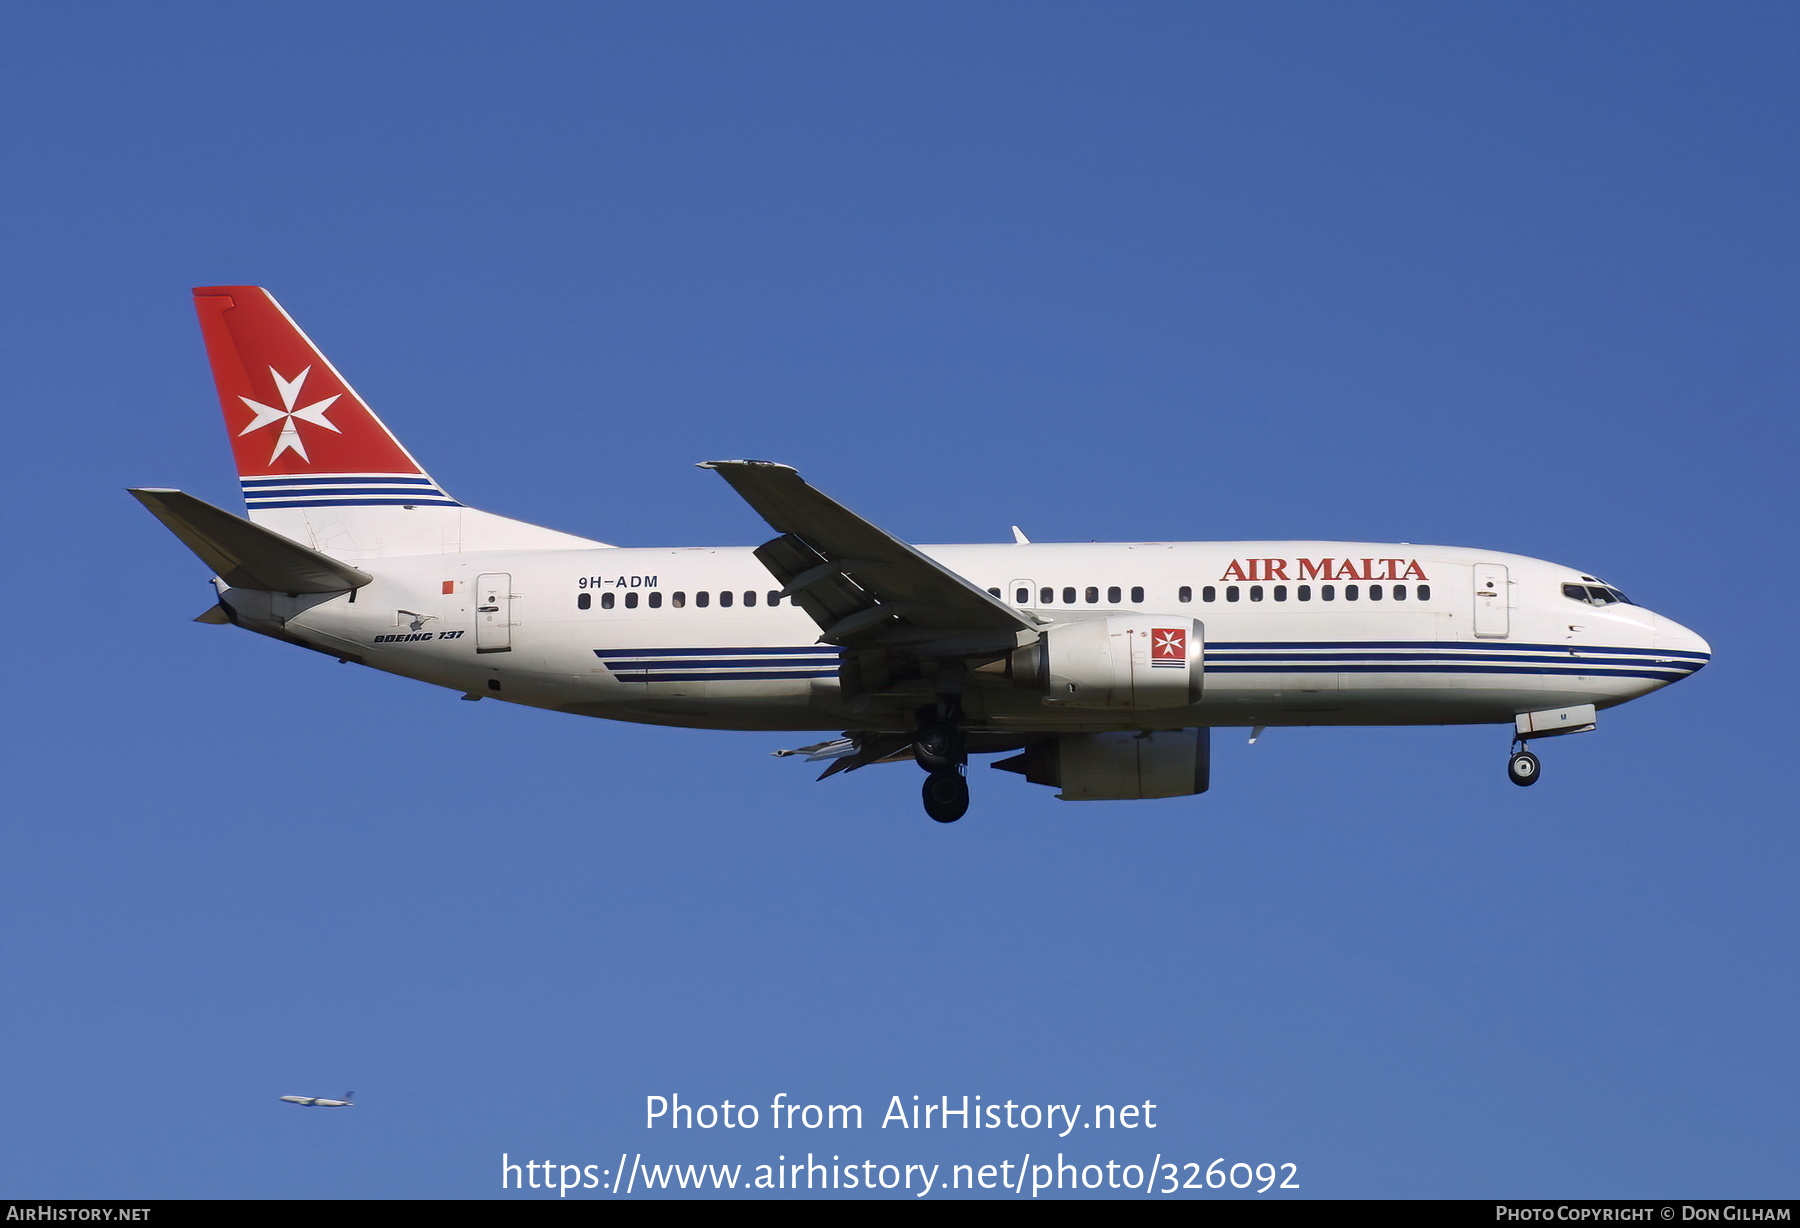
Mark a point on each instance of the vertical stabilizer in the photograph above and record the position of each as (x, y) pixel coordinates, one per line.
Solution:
(315, 462)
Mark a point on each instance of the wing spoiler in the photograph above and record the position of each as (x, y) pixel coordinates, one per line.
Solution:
(246, 555)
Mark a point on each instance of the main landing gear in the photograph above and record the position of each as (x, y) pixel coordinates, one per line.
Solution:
(946, 795)
(1523, 767)
(941, 749)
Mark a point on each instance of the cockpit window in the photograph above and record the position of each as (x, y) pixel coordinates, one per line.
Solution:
(1594, 594)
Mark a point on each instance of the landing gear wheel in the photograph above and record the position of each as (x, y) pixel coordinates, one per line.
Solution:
(946, 796)
(1523, 768)
(938, 747)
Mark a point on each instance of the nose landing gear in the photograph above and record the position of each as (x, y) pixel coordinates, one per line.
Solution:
(1523, 767)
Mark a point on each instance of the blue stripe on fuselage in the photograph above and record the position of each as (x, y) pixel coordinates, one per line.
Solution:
(1236, 657)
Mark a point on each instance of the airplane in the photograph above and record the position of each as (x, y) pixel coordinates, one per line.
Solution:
(1098, 669)
(319, 1102)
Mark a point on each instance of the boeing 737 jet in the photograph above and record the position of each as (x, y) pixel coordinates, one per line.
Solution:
(1096, 669)
(320, 1102)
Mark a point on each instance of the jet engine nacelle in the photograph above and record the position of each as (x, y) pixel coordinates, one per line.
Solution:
(1122, 767)
(1126, 661)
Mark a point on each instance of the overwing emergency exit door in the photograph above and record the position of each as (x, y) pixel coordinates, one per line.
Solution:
(493, 612)
(1020, 594)
(1491, 601)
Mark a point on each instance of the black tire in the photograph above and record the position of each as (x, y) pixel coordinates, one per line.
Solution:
(1523, 768)
(946, 796)
(937, 748)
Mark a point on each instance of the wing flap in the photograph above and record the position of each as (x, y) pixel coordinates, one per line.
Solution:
(247, 555)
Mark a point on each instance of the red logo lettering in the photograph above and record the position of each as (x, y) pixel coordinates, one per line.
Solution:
(1325, 569)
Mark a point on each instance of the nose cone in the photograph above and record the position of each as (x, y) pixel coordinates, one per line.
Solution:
(1677, 640)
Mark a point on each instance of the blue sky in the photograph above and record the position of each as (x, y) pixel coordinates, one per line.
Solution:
(1511, 276)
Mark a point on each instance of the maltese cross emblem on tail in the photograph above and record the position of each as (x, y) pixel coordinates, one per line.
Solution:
(288, 439)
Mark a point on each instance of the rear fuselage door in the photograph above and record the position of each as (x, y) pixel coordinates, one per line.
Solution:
(1491, 600)
(493, 612)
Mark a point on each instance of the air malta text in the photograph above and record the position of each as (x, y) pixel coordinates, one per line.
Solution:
(1325, 569)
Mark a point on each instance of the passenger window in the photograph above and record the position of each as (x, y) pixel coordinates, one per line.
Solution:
(1424, 592)
(1399, 592)
(1021, 596)
(994, 592)
(1327, 592)
(1209, 594)
(1137, 596)
(725, 599)
(1281, 592)
(585, 601)
(1304, 592)
(631, 601)
(1114, 596)
(678, 600)
(1231, 592)
(1349, 592)
(749, 596)
(656, 601)
(1046, 596)
(1374, 592)
(774, 596)
(606, 601)
(1093, 595)
(1185, 594)
(700, 599)
(1068, 596)
(1256, 592)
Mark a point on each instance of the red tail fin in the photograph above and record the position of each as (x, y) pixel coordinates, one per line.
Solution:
(317, 466)
(301, 435)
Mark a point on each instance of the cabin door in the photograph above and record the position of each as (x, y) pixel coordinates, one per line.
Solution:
(1492, 597)
(493, 612)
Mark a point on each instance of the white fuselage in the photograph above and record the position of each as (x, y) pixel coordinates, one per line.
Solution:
(1457, 636)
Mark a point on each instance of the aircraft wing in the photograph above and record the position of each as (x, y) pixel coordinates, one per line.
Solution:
(865, 587)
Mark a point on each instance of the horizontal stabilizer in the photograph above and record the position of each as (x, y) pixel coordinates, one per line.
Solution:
(246, 555)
